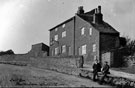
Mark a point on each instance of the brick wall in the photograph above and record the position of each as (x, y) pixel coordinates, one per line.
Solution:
(68, 40)
(87, 39)
(109, 41)
(39, 50)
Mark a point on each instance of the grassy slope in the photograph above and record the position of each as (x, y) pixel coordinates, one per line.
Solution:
(28, 76)
(18, 76)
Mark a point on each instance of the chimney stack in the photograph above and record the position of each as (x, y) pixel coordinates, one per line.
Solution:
(96, 11)
(99, 9)
(80, 10)
(98, 16)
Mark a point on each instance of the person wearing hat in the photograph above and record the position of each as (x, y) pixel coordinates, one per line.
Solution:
(105, 71)
(96, 68)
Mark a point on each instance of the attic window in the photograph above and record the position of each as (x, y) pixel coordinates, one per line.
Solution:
(56, 29)
(63, 25)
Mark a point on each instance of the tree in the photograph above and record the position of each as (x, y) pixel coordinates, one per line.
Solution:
(8, 52)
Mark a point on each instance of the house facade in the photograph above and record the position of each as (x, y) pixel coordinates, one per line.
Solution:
(84, 34)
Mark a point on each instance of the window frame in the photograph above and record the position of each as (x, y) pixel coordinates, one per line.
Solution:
(64, 49)
(56, 29)
(64, 34)
(56, 37)
(69, 50)
(90, 31)
(63, 26)
(94, 47)
(82, 30)
(56, 51)
(84, 49)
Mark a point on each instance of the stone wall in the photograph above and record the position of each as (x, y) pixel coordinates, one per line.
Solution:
(116, 81)
(68, 65)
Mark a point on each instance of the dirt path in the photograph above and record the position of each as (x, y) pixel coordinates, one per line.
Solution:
(51, 77)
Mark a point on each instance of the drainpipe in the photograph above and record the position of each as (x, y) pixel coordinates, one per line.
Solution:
(74, 38)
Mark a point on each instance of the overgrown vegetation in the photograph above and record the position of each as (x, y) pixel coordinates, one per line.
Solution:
(8, 52)
(129, 51)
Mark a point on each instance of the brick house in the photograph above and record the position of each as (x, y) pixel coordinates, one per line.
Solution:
(39, 50)
(84, 34)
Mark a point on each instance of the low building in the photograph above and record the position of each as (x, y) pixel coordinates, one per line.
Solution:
(39, 50)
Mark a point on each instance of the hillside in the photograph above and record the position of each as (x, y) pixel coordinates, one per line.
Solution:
(21, 76)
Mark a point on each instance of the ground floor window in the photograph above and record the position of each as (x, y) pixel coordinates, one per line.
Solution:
(52, 52)
(94, 47)
(56, 51)
(82, 50)
(69, 51)
(63, 48)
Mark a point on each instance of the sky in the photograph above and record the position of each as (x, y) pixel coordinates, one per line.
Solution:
(26, 22)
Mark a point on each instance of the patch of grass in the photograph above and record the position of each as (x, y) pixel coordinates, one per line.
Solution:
(11, 76)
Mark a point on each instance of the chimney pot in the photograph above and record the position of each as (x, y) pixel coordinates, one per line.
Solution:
(99, 9)
(80, 10)
(98, 16)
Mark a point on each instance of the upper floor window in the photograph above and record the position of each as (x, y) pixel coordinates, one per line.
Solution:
(64, 34)
(63, 25)
(82, 31)
(63, 48)
(56, 29)
(90, 31)
(94, 47)
(56, 37)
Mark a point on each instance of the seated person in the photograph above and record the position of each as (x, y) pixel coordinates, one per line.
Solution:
(105, 71)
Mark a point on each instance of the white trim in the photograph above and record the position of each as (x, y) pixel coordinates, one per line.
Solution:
(63, 34)
(82, 31)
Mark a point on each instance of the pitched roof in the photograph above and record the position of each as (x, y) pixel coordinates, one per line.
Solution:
(62, 23)
(88, 17)
(39, 44)
(103, 28)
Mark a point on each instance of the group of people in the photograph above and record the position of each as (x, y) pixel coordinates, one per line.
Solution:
(98, 68)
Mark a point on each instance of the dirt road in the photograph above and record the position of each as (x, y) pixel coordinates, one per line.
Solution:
(41, 77)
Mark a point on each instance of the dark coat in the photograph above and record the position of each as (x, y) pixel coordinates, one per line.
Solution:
(96, 67)
(106, 69)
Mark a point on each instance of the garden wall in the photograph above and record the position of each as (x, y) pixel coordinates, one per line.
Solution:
(68, 65)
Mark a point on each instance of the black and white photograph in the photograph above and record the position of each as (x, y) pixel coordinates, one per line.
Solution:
(67, 43)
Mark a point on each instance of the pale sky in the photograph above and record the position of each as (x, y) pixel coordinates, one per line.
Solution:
(26, 22)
